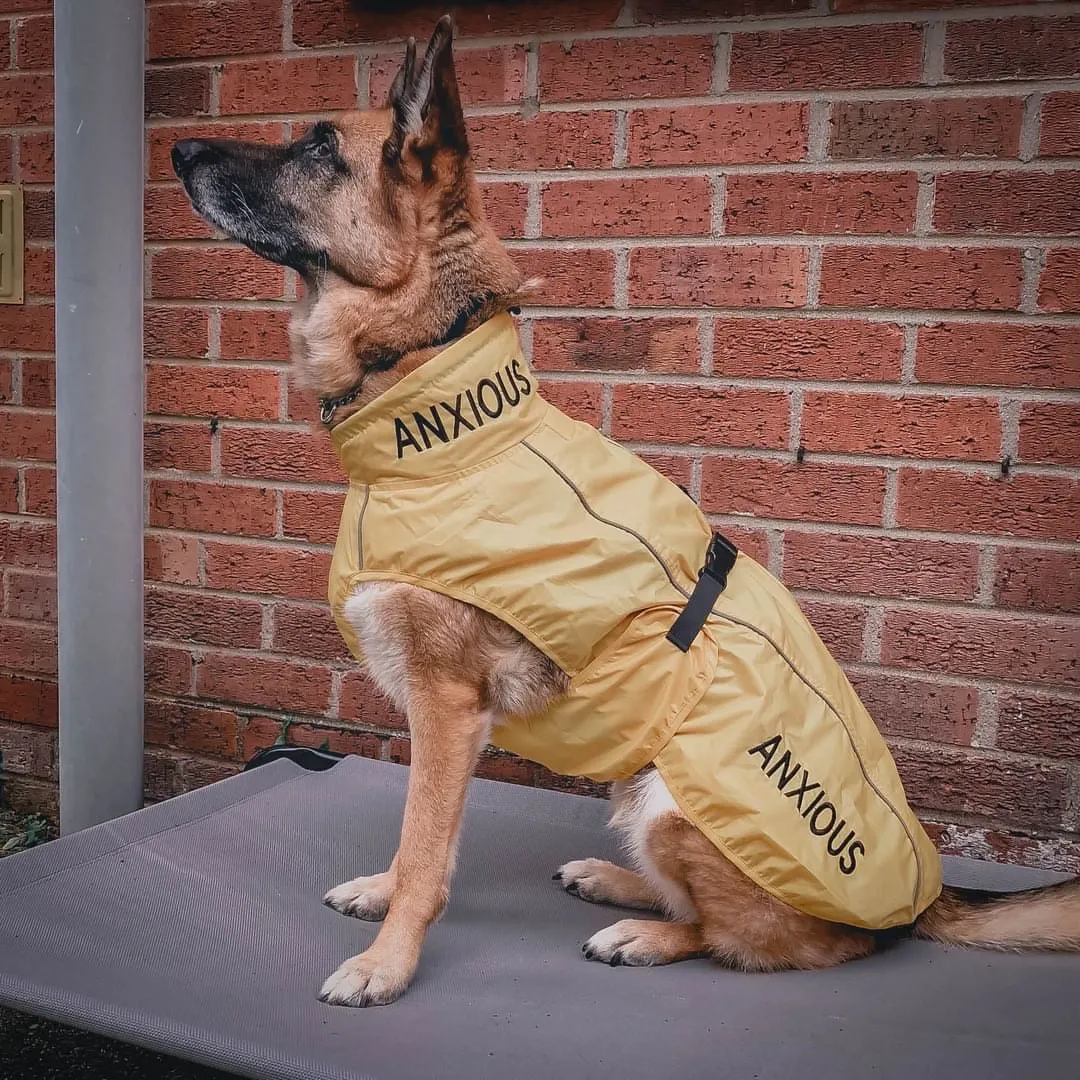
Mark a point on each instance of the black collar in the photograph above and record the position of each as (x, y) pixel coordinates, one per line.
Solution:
(328, 406)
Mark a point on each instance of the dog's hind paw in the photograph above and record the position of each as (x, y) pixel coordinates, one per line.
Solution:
(363, 897)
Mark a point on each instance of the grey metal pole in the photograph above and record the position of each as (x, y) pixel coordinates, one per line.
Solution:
(99, 405)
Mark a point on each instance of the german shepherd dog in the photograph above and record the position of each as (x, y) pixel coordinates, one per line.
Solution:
(379, 211)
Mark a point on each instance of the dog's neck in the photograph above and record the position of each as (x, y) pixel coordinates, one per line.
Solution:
(350, 344)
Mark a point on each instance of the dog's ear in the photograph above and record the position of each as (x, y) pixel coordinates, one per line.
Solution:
(425, 99)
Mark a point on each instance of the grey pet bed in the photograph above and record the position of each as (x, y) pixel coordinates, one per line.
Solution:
(195, 928)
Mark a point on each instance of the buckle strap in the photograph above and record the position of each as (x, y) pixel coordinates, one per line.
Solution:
(712, 580)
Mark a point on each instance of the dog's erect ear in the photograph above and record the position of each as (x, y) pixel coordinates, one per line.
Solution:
(425, 99)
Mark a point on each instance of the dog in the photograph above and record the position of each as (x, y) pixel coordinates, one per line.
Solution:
(379, 212)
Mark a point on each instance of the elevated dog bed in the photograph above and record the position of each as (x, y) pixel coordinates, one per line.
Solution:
(195, 928)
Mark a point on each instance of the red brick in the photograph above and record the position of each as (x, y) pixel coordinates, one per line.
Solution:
(307, 630)
(39, 383)
(921, 127)
(177, 91)
(505, 767)
(31, 596)
(34, 42)
(751, 541)
(28, 701)
(673, 206)
(160, 140)
(547, 140)
(1059, 285)
(675, 467)
(172, 558)
(813, 491)
(175, 332)
(485, 76)
(268, 570)
(601, 69)
(1027, 48)
(27, 435)
(918, 708)
(279, 455)
(842, 57)
(176, 446)
(40, 485)
(1007, 647)
(1037, 580)
(362, 701)
(199, 390)
(167, 670)
(1020, 793)
(27, 751)
(328, 22)
(39, 271)
(1038, 724)
(1039, 507)
(821, 203)
(718, 276)
(5, 43)
(1060, 125)
(36, 157)
(29, 544)
(162, 777)
(919, 427)
(208, 273)
(994, 354)
(255, 335)
(846, 6)
(686, 414)
(840, 626)
(181, 31)
(27, 796)
(1050, 432)
(256, 680)
(28, 647)
(28, 326)
(194, 728)
(574, 278)
(169, 216)
(616, 344)
(39, 214)
(211, 508)
(313, 515)
(662, 11)
(719, 134)
(305, 84)
(1008, 202)
(9, 490)
(7, 394)
(579, 400)
(26, 98)
(880, 566)
(901, 277)
(504, 207)
(7, 166)
(203, 617)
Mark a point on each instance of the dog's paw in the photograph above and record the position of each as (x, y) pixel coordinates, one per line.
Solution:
(363, 981)
(362, 898)
(587, 879)
(629, 942)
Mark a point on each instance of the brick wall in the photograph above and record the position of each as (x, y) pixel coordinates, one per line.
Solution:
(818, 262)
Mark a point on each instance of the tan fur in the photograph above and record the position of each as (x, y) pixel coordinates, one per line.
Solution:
(409, 239)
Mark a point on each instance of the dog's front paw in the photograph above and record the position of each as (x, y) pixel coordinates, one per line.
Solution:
(364, 980)
(588, 879)
(632, 942)
(363, 897)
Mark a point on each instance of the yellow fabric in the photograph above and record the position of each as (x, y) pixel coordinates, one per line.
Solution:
(466, 481)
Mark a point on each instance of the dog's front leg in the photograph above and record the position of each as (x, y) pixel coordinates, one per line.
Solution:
(448, 730)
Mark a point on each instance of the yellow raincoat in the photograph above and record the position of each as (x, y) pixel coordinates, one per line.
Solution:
(465, 481)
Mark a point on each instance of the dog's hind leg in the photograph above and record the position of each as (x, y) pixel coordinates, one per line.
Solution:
(645, 943)
(602, 882)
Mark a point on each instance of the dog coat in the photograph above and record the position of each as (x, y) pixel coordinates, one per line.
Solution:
(681, 652)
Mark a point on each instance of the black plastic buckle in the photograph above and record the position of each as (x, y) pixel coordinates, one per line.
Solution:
(712, 581)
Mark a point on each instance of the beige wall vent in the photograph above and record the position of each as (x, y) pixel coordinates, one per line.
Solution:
(11, 244)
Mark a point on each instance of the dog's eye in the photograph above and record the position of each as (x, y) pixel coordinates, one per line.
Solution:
(319, 150)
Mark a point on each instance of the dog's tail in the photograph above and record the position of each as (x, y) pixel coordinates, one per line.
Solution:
(1043, 918)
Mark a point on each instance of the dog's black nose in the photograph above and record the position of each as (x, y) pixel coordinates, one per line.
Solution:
(185, 151)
